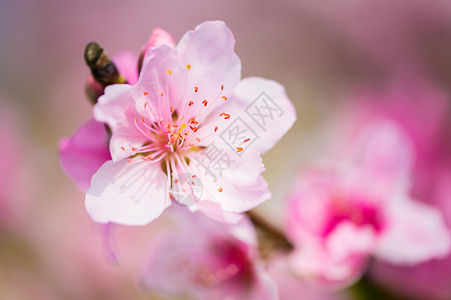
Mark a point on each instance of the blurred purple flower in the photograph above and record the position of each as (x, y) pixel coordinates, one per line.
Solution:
(340, 215)
(205, 259)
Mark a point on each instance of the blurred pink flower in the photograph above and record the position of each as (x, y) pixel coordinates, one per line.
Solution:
(205, 259)
(166, 126)
(422, 110)
(340, 215)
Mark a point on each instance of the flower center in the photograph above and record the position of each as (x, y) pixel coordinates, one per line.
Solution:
(353, 210)
(171, 134)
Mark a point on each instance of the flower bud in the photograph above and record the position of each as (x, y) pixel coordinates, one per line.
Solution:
(103, 70)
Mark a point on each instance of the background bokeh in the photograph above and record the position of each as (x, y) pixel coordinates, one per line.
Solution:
(321, 51)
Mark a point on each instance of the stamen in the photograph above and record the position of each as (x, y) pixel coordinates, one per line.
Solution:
(142, 131)
(196, 89)
(224, 97)
(247, 140)
(222, 87)
(188, 66)
(226, 116)
(190, 103)
(220, 190)
(205, 102)
(169, 72)
(239, 149)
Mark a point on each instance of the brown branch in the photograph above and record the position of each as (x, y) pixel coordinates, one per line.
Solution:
(270, 238)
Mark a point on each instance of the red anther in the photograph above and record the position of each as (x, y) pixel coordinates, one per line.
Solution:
(196, 89)
(205, 102)
(239, 149)
(146, 93)
(224, 97)
(190, 103)
(123, 149)
(247, 140)
(216, 128)
(220, 190)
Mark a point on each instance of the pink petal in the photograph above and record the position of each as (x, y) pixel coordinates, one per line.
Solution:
(289, 284)
(386, 155)
(126, 63)
(107, 241)
(267, 110)
(117, 109)
(127, 193)
(162, 79)
(83, 154)
(238, 187)
(308, 210)
(265, 288)
(337, 261)
(415, 233)
(159, 37)
(213, 210)
(209, 51)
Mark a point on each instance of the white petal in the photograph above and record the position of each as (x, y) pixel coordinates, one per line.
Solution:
(117, 109)
(127, 193)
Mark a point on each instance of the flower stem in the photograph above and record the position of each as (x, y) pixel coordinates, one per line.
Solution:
(270, 238)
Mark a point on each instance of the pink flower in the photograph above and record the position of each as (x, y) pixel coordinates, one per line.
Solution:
(205, 259)
(172, 133)
(340, 215)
